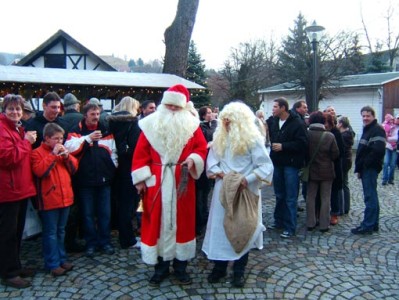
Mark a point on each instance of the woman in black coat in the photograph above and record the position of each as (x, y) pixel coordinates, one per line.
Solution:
(123, 124)
(336, 198)
(347, 137)
(203, 184)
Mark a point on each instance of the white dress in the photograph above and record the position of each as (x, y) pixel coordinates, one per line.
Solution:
(257, 168)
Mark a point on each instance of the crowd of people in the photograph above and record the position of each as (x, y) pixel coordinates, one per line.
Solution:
(167, 158)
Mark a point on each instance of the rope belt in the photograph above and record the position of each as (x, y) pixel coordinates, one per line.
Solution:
(180, 191)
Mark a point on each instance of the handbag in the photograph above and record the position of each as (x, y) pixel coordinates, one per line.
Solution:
(33, 224)
(304, 175)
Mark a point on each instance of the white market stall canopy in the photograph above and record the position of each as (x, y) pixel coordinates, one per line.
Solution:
(25, 75)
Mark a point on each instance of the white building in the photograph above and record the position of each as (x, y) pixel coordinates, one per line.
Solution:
(380, 91)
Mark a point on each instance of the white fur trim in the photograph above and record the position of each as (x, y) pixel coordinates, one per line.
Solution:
(149, 254)
(186, 251)
(199, 165)
(141, 174)
(151, 181)
(174, 98)
(182, 251)
(167, 238)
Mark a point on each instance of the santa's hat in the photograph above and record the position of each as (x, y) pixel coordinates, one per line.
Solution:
(176, 95)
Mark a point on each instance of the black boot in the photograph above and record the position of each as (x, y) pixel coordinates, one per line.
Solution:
(218, 271)
(181, 274)
(161, 272)
(239, 269)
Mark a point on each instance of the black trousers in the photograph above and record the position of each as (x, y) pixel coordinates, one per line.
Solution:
(202, 189)
(74, 227)
(128, 200)
(238, 266)
(12, 223)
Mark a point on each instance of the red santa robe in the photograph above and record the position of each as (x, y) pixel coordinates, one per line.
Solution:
(168, 221)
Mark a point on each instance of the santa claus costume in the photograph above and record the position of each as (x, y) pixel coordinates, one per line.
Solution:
(170, 138)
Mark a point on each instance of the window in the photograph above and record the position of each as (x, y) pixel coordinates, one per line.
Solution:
(55, 61)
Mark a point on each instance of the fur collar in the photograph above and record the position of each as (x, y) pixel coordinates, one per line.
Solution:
(121, 116)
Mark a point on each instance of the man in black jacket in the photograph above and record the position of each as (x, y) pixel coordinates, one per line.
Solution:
(369, 159)
(72, 110)
(51, 111)
(289, 146)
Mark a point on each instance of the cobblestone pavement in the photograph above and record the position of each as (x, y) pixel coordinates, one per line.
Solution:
(312, 265)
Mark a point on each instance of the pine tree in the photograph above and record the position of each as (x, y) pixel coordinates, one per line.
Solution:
(334, 56)
(196, 72)
(354, 58)
(295, 59)
(131, 65)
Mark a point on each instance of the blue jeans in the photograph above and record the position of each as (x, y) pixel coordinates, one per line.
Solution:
(54, 222)
(96, 213)
(372, 210)
(389, 165)
(285, 183)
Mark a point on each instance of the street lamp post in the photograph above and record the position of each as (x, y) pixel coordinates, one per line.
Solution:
(314, 33)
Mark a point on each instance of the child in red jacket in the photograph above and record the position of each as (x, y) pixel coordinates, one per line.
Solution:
(53, 166)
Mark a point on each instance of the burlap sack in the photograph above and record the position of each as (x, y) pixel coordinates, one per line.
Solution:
(241, 211)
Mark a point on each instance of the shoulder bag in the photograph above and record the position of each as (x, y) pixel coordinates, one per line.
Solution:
(304, 174)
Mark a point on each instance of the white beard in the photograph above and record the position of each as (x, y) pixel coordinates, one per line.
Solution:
(170, 131)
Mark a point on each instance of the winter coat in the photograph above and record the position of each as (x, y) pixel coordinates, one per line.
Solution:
(126, 132)
(16, 180)
(294, 140)
(72, 118)
(37, 124)
(97, 160)
(322, 167)
(208, 128)
(54, 184)
(339, 175)
(347, 137)
(392, 139)
(371, 149)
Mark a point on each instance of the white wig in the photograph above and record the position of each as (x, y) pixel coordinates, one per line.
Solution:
(243, 133)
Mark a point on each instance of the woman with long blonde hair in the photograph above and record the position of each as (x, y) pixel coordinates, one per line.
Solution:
(123, 123)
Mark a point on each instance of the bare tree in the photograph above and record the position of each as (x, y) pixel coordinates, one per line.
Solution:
(178, 36)
(392, 39)
(251, 66)
(219, 87)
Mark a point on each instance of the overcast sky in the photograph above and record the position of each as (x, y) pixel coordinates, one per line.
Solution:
(134, 28)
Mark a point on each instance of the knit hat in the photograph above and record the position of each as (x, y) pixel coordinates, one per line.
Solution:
(176, 95)
(70, 99)
(95, 101)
